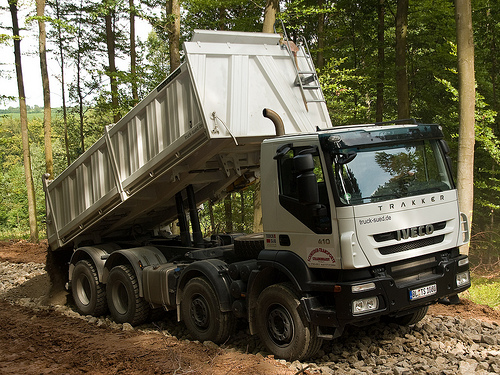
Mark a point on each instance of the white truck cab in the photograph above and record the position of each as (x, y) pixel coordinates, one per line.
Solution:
(364, 220)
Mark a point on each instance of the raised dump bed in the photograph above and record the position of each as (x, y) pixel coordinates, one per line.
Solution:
(202, 126)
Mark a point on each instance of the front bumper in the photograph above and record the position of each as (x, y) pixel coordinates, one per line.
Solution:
(429, 277)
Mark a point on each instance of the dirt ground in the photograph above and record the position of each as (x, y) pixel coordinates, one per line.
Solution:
(46, 342)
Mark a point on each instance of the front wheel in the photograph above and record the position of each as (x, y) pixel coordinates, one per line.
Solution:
(88, 293)
(282, 324)
(413, 318)
(201, 313)
(125, 304)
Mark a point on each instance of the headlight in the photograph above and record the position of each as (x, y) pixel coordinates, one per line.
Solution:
(463, 278)
(362, 287)
(364, 305)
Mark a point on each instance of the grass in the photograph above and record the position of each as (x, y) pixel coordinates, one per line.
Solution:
(9, 234)
(485, 290)
(19, 234)
(31, 115)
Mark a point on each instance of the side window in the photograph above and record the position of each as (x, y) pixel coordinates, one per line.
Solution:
(287, 176)
(289, 195)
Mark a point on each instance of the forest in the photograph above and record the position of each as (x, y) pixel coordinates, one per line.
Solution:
(377, 61)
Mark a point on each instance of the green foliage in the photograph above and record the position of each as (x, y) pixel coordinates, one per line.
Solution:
(157, 54)
(238, 15)
(485, 291)
(13, 194)
(341, 90)
(349, 77)
(486, 176)
(242, 204)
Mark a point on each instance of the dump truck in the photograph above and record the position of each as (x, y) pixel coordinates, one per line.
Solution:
(361, 223)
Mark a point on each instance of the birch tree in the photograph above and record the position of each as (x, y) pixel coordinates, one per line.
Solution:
(466, 107)
(272, 7)
(401, 74)
(133, 53)
(40, 13)
(24, 124)
(174, 32)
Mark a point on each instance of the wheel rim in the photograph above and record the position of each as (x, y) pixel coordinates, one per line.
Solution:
(280, 325)
(120, 298)
(83, 289)
(199, 312)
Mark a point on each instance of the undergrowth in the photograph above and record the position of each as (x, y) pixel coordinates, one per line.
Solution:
(485, 290)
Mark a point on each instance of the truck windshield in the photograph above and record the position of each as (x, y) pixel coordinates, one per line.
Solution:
(375, 174)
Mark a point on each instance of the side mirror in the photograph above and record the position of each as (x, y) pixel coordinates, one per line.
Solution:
(307, 185)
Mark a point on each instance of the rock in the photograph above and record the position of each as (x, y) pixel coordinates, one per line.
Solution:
(435, 345)
(467, 367)
(210, 345)
(490, 340)
(326, 370)
(127, 327)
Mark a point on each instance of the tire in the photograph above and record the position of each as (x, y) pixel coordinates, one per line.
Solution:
(125, 304)
(413, 318)
(201, 313)
(249, 246)
(282, 324)
(88, 293)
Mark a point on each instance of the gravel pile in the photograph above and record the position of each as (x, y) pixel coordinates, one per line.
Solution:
(13, 275)
(436, 345)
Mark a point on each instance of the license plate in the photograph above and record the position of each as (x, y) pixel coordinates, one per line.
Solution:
(423, 292)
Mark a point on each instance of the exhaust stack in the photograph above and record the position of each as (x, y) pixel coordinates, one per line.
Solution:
(276, 119)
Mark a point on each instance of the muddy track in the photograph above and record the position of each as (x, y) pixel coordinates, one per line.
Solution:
(39, 334)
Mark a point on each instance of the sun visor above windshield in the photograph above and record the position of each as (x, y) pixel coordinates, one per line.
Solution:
(337, 139)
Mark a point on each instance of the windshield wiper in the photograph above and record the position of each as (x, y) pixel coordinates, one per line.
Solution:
(434, 189)
(392, 195)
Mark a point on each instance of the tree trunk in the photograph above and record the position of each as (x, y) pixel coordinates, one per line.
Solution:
(24, 125)
(379, 115)
(320, 57)
(174, 33)
(242, 210)
(80, 98)
(79, 82)
(401, 76)
(466, 108)
(133, 53)
(63, 88)
(110, 42)
(228, 211)
(212, 218)
(493, 55)
(272, 6)
(222, 18)
(49, 163)
(257, 210)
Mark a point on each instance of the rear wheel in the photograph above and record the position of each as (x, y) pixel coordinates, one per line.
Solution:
(201, 313)
(88, 293)
(282, 324)
(125, 304)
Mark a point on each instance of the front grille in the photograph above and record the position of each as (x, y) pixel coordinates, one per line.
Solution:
(386, 250)
(387, 236)
(408, 272)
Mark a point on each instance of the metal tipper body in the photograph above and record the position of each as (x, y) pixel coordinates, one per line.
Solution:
(203, 125)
